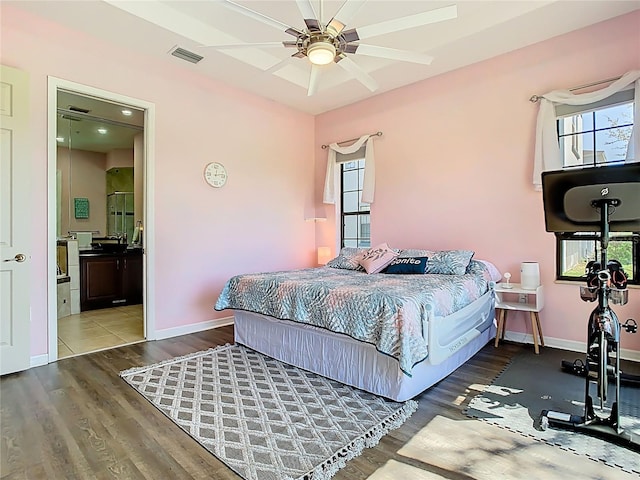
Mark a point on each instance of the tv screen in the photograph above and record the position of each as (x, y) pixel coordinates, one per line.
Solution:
(569, 197)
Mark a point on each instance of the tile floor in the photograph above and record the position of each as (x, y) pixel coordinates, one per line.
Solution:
(99, 329)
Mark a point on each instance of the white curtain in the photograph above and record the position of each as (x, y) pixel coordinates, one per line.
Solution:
(369, 169)
(547, 150)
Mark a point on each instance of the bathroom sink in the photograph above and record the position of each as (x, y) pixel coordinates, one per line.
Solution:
(110, 247)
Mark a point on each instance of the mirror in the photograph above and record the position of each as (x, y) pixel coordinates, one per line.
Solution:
(99, 169)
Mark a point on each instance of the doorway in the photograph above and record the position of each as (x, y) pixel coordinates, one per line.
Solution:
(100, 151)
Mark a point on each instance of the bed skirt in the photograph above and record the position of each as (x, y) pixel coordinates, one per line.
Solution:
(347, 360)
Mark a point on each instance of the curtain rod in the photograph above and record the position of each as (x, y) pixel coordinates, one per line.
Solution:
(377, 134)
(535, 98)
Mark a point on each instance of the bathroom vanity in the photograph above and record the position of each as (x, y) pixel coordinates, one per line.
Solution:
(110, 278)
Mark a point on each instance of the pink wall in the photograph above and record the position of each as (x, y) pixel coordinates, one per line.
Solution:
(454, 165)
(203, 235)
(83, 176)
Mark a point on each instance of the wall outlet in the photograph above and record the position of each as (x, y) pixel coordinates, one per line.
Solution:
(522, 298)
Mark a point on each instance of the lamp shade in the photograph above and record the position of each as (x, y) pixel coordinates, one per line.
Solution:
(529, 275)
(324, 255)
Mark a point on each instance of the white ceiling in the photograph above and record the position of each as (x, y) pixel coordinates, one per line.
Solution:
(482, 29)
(87, 123)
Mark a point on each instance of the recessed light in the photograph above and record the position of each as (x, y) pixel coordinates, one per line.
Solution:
(103, 131)
(127, 113)
(59, 139)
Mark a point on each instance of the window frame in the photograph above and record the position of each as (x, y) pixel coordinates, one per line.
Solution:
(343, 215)
(563, 112)
(634, 238)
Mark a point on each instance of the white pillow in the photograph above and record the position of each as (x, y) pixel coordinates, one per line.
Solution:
(377, 258)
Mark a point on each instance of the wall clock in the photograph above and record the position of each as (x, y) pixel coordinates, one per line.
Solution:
(215, 174)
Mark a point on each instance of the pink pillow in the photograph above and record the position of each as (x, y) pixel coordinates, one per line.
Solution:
(377, 258)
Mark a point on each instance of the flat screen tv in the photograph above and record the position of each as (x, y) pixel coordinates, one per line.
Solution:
(570, 198)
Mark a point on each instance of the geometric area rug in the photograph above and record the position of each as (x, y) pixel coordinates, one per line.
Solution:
(531, 383)
(264, 419)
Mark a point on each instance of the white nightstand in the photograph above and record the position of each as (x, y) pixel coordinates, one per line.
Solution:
(508, 299)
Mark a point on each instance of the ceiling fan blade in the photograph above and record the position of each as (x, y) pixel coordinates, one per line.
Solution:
(342, 18)
(261, 18)
(278, 66)
(245, 45)
(306, 9)
(309, 15)
(362, 76)
(314, 80)
(393, 54)
(313, 25)
(411, 21)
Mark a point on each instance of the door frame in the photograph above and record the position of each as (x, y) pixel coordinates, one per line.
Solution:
(148, 288)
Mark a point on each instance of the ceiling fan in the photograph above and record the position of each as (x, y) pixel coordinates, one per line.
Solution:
(323, 44)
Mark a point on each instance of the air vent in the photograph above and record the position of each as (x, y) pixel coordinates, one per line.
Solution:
(186, 55)
(69, 117)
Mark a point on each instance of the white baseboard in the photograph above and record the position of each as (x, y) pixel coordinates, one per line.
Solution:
(39, 360)
(558, 343)
(192, 328)
(43, 359)
(633, 355)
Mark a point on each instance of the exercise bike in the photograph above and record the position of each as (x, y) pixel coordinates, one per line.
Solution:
(602, 361)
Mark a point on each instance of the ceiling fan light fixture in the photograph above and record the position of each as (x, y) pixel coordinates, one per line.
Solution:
(321, 53)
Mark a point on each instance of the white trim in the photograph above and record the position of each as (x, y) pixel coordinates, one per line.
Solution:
(193, 328)
(39, 360)
(571, 345)
(53, 84)
(52, 283)
(149, 238)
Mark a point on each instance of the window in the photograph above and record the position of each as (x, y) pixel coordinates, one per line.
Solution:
(589, 135)
(596, 136)
(354, 214)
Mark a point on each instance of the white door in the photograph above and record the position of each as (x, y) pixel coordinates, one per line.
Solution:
(14, 227)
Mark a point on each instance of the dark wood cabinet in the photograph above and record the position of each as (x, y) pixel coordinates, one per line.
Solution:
(132, 279)
(110, 279)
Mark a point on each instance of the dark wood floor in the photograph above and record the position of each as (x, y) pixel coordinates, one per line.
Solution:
(76, 419)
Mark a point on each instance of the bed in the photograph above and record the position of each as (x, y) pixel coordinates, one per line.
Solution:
(393, 335)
